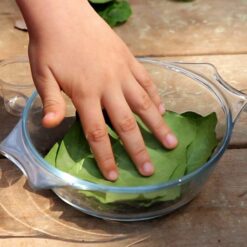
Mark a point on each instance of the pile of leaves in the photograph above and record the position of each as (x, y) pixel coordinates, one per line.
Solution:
(197, 140)
(114, 12)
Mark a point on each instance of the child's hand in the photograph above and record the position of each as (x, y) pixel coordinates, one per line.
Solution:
(72, 49)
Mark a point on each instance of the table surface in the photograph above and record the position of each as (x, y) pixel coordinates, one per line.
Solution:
(200, 31)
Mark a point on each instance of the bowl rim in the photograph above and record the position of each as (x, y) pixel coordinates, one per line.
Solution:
(78, 183)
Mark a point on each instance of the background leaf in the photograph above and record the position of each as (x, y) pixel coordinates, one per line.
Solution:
(100, 1)
(116, 12)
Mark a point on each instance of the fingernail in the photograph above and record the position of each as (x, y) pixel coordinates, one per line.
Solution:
(112, 175)
(171, 140)
(148, 168)
(162, 108)
(49, 116)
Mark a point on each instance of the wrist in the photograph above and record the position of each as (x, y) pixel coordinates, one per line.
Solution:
(45, 15)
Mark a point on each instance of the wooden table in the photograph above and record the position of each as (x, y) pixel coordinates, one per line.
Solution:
(205, 30)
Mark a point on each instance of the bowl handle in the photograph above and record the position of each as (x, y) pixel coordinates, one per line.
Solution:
(13, 147)
(236, 99)
(206, 72)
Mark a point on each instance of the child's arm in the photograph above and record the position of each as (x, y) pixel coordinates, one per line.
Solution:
(72, 49)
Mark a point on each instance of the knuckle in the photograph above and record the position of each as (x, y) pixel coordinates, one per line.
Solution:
(77, 94)
(107, 161)
(147, 82)
(157, 99)
(144, 103)
(96, 134)
(140, 152)
(49, 103)
(127, 124)
(41, 78)
(160, 127)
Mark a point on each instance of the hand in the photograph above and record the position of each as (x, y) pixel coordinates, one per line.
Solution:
(72, 49)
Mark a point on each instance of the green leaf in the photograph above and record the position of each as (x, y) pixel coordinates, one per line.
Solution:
(73, 149)
(116, 12)
(197, 139)
(100, 1)
(52, 154)
(203, 145)
(183, 0)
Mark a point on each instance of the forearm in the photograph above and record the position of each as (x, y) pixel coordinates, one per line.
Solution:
(45, 15)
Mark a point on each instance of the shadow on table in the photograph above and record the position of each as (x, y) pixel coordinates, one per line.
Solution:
(51, 218)
(10, 175)
(7, 121)
(116, 231)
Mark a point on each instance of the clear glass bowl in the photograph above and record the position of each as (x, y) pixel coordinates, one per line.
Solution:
(183, 87)
(16, 84)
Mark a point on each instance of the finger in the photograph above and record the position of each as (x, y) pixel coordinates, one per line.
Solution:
(143, 78)
(143, 106)
(96, 133)
(124, 123)
(53, 101)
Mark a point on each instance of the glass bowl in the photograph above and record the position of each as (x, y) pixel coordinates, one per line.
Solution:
(183, 87)
(16, 84)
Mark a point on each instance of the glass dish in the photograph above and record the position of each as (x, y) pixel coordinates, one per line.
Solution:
(183, 87)
(16, 84)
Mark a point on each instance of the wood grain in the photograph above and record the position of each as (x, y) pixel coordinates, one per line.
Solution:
(217, 217)
(160, 28)
(8, 7)
(12, 41)
(165, 27)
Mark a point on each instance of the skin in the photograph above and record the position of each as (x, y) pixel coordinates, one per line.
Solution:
(73, 50)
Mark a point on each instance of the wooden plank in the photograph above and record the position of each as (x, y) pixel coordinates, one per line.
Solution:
(217, 217)
(8, 7)
(175, 28)
(160, 28)
(12, 41)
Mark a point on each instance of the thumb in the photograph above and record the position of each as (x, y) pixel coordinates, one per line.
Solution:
(53, 102)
